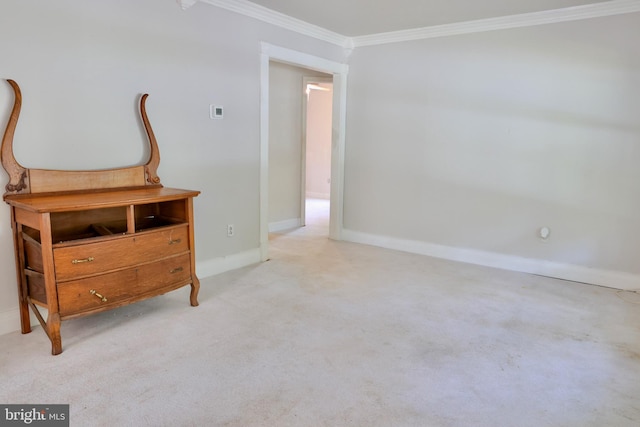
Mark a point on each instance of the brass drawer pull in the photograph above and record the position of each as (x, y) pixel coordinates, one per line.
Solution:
(93, 292)
(173, 242)
(176, 270)
(78, 261)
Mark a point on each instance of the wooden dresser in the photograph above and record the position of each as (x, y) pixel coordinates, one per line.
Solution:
(89, 241)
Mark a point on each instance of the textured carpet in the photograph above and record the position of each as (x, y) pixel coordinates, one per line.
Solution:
(336, 334)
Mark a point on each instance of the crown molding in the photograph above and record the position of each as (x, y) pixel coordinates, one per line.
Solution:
(575, 13)
(186, 4)
(281, 20)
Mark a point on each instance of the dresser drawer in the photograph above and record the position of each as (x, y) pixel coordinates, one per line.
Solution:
(134, 283)
(75, 261)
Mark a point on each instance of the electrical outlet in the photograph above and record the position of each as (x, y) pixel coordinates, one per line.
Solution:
(230, 230)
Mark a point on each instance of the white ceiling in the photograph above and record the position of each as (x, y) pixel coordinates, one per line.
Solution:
(354, 18)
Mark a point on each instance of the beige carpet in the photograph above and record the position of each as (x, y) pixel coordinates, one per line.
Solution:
(337, 334)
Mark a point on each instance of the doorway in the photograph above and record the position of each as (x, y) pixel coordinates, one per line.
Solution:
(316, 152)
(339, 72)
(290, 115)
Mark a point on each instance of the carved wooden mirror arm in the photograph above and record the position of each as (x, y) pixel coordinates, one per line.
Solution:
(30, 181)
(18, 175)
(154, 153)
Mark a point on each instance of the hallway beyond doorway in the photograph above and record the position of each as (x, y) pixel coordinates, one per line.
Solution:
(317, 214)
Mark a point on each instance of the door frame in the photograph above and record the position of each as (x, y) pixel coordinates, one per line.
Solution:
(340, 72)
(303, 167)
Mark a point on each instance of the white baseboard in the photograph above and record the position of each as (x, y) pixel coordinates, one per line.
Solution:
(577, 273)
(214, 266)
(10, 320)
(312, 195)
(287, 224)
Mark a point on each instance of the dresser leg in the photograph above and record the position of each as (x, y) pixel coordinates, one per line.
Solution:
(25, 319)
(23, 294)
(53, 326)
(195, 288)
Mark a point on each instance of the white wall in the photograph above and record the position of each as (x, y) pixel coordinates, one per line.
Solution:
(465, 146)
(82, 67)
(286, 96)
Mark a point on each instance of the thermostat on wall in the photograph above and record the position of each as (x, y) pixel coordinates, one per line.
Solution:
(216, 111)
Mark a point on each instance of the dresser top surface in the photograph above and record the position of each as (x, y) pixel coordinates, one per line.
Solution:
(42, 203)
